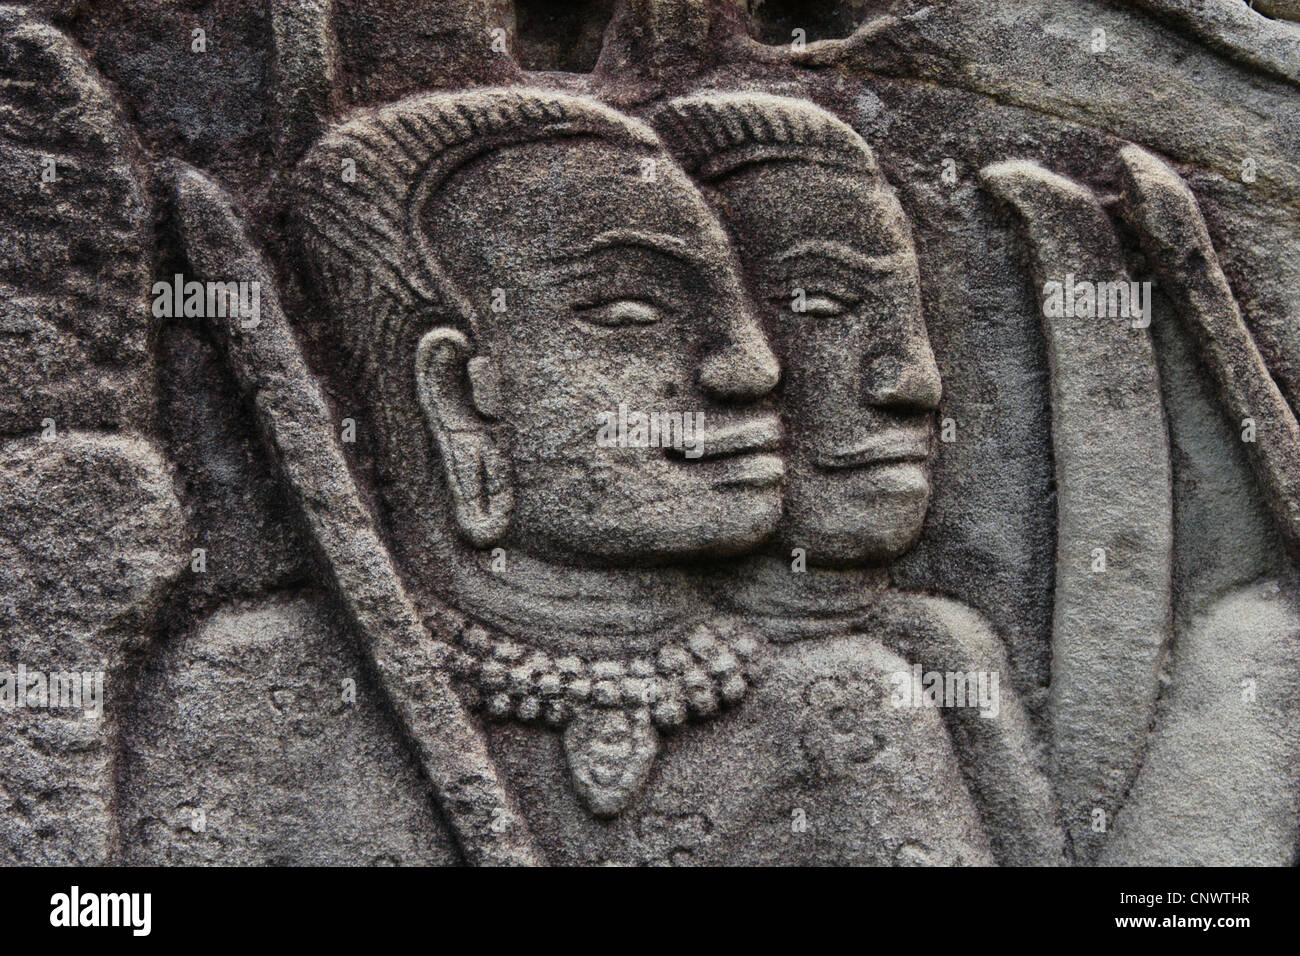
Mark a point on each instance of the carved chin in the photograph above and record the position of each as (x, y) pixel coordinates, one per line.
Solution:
(627, 530)
(867, 517)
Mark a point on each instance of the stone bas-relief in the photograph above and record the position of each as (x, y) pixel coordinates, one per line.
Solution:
(847, 450)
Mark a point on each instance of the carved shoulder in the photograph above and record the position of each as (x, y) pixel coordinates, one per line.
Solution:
(236, 716)
(939, 631)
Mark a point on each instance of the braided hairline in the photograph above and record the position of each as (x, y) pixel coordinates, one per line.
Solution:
(715, 134)
(363, 238)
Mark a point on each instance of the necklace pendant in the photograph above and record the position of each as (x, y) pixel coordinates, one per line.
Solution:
(610, 753)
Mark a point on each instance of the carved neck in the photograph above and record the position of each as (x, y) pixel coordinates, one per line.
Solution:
(794, 604)
(589, 612)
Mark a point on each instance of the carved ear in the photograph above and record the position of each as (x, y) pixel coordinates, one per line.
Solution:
(449, 383)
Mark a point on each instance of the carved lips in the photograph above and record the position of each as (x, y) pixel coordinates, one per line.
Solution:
(888, 448)
(746, 454)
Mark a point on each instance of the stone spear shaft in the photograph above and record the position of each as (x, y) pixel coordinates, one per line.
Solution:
(1114, 493)
(1174, 236)
(298, 430)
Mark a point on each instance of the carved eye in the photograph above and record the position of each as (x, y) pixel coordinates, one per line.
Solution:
(622, 312)
(818, 304)
(824, 306)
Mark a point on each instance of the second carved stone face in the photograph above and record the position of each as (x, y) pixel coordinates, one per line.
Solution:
(829, 255)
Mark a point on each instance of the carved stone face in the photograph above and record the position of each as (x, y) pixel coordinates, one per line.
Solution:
(594, 285)
(860, 385)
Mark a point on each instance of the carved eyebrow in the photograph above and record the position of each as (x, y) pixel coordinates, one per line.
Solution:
(669, 245)
(844, 255)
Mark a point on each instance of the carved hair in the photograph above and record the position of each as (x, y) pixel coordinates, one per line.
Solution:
(362, 186)
(714, 134)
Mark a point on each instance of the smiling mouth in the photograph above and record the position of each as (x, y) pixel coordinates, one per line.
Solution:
(745, 455)
(890, 448)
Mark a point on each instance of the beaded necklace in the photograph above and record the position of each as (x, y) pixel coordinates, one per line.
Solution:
(609, 709)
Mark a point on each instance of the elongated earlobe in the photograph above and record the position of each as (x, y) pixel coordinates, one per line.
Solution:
(478, 475)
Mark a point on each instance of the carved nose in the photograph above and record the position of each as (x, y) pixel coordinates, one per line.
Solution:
(742, 368)
(911, 384)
